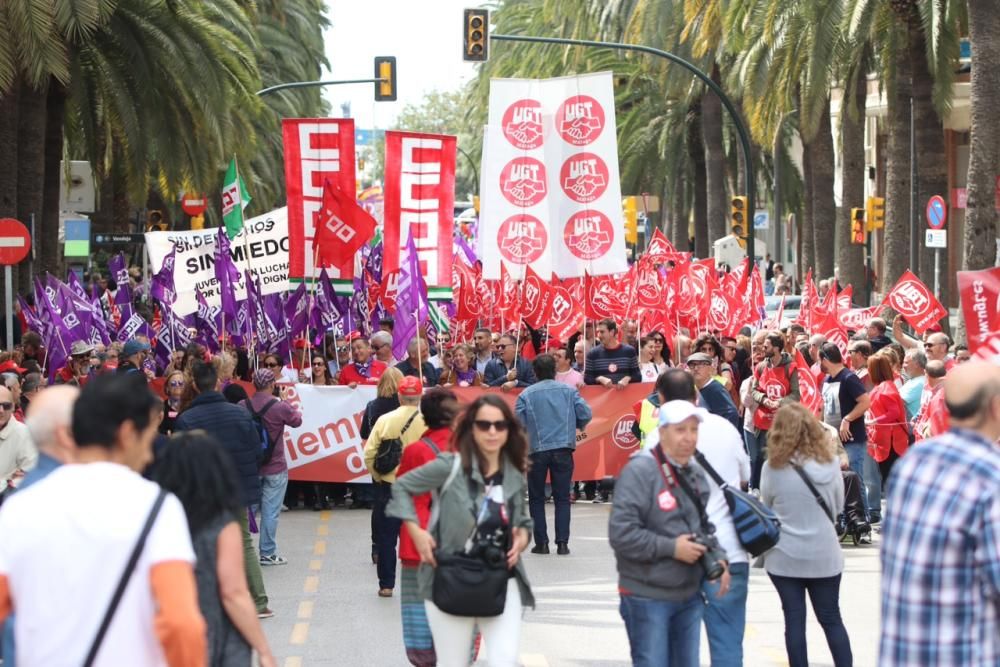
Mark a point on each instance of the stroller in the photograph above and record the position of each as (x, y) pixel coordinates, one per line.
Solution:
(852, 521)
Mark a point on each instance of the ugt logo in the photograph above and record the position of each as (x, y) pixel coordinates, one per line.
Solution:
(580, 120)
(522, 239)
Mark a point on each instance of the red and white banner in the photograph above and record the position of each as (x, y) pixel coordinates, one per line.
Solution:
(316, 150)
(980, 294)
(420, 200)
(913, 300)
(551, 197)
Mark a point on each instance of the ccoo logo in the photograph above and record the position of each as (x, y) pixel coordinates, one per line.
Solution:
(580, 120)
(522, 182)
(522, 124)
(584, 177)
(522, 239)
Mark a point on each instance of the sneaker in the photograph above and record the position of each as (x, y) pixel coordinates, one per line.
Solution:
(600, 498)
(265, 613)
(274, 559)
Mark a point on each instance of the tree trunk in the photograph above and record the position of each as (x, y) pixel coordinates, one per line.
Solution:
(9, 164)
(984, 153)
(807, 247)
(932, 163)
(715, 165)
(49, 253)
(897, 196)
(824, 210)
(696, 153)
(850, 258)
(679, 221)
(31, 170)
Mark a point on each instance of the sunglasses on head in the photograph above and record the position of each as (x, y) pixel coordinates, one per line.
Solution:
(485, 425)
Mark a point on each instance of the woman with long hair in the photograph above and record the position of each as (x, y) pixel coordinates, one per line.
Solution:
(173, 389)
(461, 372)
(649, 368)
(807, 558)
(320, 370)
(481, 513)
(195, 468)
(885, 419)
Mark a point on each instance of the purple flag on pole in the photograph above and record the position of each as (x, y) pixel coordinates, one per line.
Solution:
(470, 254)
(118, 268)
(274, 310)
(297, 312)
(162, 286)
(411, 301)
(173, 335)
(327, 309)
(207, 324)
(226, 273)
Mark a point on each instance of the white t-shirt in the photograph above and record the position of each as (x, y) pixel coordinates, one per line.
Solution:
(65, 543)
(650, 370)
(722, 445)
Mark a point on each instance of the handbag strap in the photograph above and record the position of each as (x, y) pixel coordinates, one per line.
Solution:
(126, 576)
(815, 492)
(430, 443)
(706, 525)
(408, 422)
(703, 462)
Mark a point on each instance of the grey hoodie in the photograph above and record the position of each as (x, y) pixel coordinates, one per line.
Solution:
(643, 536)
(809, 546)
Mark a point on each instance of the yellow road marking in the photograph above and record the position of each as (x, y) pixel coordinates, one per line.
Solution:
(299, 633)
(324, 516)
(312, 584)
(316, 565)
(322, 529)
(305, 610)
(319, 549)
(293, 662)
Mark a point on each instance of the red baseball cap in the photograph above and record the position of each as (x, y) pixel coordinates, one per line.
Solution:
(411, 386)
(10, 367)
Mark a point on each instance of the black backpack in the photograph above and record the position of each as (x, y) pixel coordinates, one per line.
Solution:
(390, 450)
(266, 446)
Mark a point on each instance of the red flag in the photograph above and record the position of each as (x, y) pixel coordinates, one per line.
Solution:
(856, 319)
(389, 289)
(606, 297)
(914, 301)
(661, 250)
(809, 390)
(510, 298)
(980, 295)
(342, 227)
(467, 298)
(807, 303)
(833, 330)
(723, 313)
(567, 308)
(536, 297)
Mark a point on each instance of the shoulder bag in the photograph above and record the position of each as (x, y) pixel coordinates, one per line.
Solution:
(133, 560)
(390, 450)
(819, 499)
(467, 585)
(757, 526)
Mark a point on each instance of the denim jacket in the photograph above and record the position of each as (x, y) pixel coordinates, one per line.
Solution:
(551, 412)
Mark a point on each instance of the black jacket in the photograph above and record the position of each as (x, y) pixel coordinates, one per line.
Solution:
(376, 408)
(233, 427)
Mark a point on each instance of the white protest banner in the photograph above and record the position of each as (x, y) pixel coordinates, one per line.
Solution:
(551, 197)
(328, 444)
(264, 253)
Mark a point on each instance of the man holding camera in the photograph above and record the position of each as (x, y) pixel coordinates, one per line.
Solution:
(664, 544)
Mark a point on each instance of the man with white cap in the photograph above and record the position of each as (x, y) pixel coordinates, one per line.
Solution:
(664, 544)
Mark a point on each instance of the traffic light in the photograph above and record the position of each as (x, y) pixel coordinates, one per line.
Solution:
(631, 211)
(857, 226)
(155, 222)
(739, 218)
(385, 71)
(477, 29)
(875, 213)
(198, 221)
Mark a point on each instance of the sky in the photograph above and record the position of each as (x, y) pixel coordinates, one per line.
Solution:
(425, 37)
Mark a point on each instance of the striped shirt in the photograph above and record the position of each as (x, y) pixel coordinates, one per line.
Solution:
(941, 555)
(613, 363)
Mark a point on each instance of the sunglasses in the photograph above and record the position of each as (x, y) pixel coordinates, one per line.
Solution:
(694, 364)
(485, 425)
(928, 346)
(272, 365)
(7, 407)
(501, 346)
(377, 347)
(318, 363)
(343, 349)
(176, 383)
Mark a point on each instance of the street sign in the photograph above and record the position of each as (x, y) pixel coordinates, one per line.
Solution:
(15, 242)
(761, 220)
(112, 239)
(937, 212)
(936, 238)
(193, 204)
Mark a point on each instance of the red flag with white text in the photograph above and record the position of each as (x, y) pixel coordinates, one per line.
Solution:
(536, 296)
(980, 295)
(912, 299)
(567, 308)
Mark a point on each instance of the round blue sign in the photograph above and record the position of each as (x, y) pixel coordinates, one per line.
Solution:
(937, 212)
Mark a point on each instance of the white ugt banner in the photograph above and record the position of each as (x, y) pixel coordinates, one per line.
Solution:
(550, 184)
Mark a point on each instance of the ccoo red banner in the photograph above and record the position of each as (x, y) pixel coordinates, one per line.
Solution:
(420, 200)
(316, 150)
(980, 292)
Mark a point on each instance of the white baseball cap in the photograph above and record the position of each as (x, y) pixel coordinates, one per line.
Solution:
(674, 412)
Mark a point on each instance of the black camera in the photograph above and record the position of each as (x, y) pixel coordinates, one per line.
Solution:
(489, 549)
(713, 567)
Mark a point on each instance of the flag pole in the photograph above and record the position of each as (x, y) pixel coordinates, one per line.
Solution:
(420, 361)
(312, 303)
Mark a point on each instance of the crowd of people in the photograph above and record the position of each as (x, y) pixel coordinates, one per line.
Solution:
(172, 470)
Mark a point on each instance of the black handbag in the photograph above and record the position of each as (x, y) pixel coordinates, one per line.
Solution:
(467, 585)
(390, 450)
(756, 524)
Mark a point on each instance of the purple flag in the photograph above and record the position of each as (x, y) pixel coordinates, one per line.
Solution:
(327, 310)
(162, 287)
(62, 308)
(274, 310)
(207, 324)
(297, 312)
(118, 268)
(470, 254)
(173, 335)
(57, 339)
(411, 301)
(30, 316)
(226, 273)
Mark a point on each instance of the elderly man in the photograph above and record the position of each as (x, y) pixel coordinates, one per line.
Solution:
(876, 334)
(711, 394)
(940, 543)
(382, 347)
(936, 347)
(77, 368)
(913, 367)
(17, 451)
(416, 363)
(508, 370)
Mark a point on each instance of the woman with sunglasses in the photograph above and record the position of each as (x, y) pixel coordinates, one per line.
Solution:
(173, 389)
(481, 511)
(460, 372)
(320, 371)
(661, 351)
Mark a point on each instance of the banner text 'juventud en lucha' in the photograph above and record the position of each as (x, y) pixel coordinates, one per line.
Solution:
(328, 448)
(420, 200)
(316, 150)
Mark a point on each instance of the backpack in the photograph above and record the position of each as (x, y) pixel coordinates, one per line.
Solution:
(266, 446)
(390, 450)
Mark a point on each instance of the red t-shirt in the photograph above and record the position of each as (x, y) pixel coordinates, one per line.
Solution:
(349, 373)
(415, 455)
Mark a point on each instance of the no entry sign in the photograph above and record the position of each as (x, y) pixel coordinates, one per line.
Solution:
(15, 242)
(937, 212)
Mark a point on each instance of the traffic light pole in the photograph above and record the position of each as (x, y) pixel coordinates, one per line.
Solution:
(311, 84)
(741, 129)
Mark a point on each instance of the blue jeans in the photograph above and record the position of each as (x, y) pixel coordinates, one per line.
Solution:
(857, 452)
(757, 449)
(386, 532)
(558, 463)
(725, 617)
(873, 485)
(272, 494)
(661, 633)
(825, 597)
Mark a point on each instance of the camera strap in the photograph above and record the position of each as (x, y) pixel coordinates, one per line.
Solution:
(669, 472)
